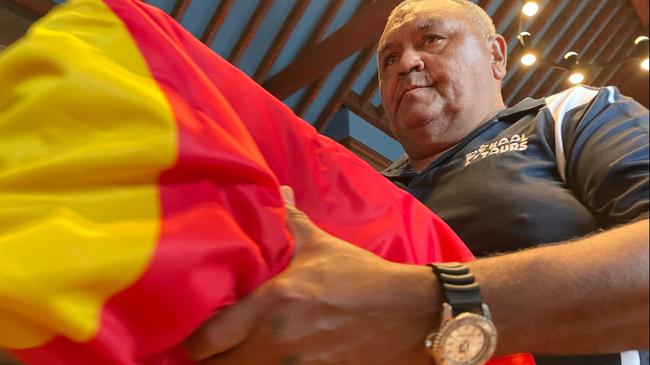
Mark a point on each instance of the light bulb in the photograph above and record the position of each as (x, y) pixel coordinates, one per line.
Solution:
(576, 77)
(645, 65)
(528, 59)
(530, 8)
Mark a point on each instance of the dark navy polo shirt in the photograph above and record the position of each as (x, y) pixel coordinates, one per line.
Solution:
(545, 170)
(502, 187)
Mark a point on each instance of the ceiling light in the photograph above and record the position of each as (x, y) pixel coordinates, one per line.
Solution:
(577, 77)
(530, 8)
(528, 59)
(640, 39)
(572, 62)
(641, 43)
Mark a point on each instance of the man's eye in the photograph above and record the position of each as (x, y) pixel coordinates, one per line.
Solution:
(390, 60)
(431, 38)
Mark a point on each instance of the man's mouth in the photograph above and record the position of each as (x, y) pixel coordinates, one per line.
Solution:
(409, 89)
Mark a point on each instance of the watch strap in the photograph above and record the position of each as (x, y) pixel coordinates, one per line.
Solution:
(460, 288)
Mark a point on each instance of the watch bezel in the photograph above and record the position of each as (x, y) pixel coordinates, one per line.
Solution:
(436, 339)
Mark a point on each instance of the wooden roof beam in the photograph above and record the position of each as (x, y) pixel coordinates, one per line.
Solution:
(571, 39)
(326, 19)
(642, 8)
(368, 112)
(360, 31)
(180, 7)
(370, 89)
(281, 39)
(596, 42)
(314, 89)
(335, 102)
(216, 22)
(249, 32)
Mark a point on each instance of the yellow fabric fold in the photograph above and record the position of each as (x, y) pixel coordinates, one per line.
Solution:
(85, 132)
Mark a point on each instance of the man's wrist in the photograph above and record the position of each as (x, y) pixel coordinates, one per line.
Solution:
(419, 295)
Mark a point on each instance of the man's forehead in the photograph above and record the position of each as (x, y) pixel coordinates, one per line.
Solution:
(424, 8)
(420, 16)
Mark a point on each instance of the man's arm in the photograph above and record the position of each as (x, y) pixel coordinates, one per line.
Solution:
(339, 303)
(584, 297)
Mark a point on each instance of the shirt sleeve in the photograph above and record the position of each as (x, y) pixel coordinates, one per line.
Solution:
(607, 157)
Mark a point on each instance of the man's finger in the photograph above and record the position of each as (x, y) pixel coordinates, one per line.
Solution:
(290, 202)
(287, 195)
(302, 228)
(227, 329)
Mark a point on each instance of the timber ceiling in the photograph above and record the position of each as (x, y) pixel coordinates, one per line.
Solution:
(319, 55)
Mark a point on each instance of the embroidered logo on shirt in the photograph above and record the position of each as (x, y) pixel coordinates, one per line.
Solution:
(518, 142)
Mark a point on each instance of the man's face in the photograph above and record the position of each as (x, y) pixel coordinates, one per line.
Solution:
(433, 66)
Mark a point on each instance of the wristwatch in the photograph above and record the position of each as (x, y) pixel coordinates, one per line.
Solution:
(466, 335)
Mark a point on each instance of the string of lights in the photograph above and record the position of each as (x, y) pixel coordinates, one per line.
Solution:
(571, 61)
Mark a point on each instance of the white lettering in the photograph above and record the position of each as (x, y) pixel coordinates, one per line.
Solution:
(516, 143)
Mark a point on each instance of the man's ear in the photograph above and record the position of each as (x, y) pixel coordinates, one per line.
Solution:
(499, 51)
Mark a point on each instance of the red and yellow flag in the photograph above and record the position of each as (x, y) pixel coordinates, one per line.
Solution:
(139, 177)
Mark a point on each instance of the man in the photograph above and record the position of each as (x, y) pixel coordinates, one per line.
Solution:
(499, 178)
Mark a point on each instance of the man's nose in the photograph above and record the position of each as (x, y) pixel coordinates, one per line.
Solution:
(411, 62)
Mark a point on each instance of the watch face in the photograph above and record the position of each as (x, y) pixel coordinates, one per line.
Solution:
(468, 339)
(464, 343)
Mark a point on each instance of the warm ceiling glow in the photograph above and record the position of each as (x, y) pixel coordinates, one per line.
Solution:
(576, 77)
(570, 54)
(645, 65)
(530, 8)
(640, 39)
(528, 59)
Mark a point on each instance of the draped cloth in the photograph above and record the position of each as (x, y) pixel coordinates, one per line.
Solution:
(139, 177)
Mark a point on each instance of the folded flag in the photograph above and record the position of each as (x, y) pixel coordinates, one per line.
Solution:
(139, 177)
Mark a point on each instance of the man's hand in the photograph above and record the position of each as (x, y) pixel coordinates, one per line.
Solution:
(335, 304)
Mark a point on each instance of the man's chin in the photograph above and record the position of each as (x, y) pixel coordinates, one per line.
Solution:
(417, 121)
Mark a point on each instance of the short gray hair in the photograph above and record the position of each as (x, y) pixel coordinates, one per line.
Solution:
(473, 12)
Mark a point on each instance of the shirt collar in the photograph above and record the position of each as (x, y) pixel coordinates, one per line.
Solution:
(527, 106)
(524, 107)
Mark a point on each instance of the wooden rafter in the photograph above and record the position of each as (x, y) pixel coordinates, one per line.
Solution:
(308, 97)
(249, 32)
(557, 41)
(640, 91)
(37, 7)
(362, 30)
(642, 8)
(626, 28)
(570, 39)
(593, 44)
(621, 49)
(216, 22)
(281, 39)
(314, 89)
(370, 89)
(377, 161)
(541, 25)
(501, 13)
(335, 101)
(369, 112)
(180, 7)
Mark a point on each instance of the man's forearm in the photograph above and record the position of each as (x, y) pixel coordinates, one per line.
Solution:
(586, 296)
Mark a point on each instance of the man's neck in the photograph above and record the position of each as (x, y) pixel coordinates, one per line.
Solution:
(420, 164)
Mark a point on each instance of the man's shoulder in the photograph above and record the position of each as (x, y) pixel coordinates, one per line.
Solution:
(593, 100)
(578, 96)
